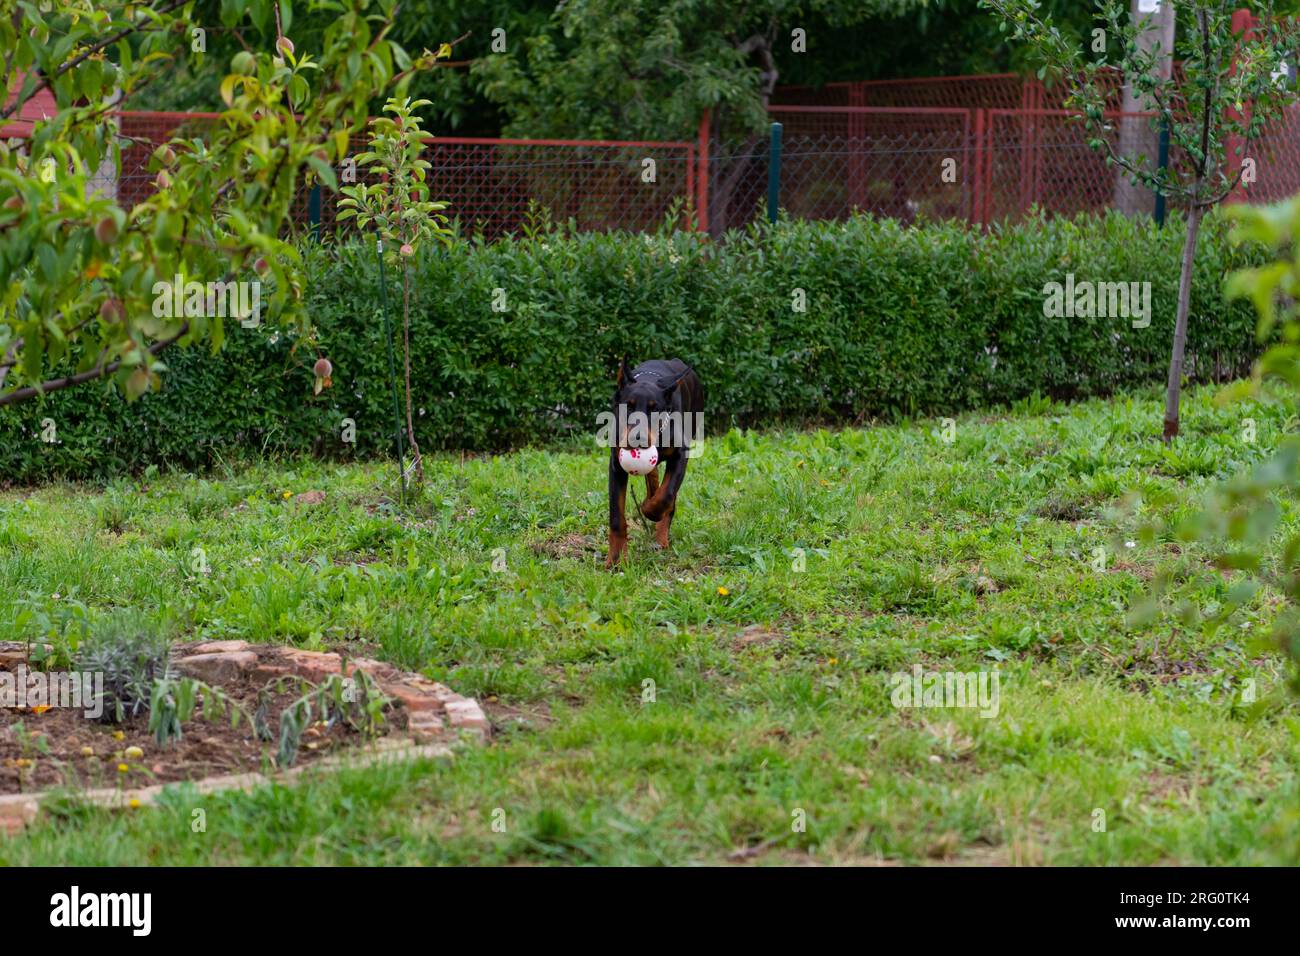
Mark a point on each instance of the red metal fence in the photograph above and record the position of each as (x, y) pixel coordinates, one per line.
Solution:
(980, 165)
(1040, 157)
(908, 160)
(884, 160)
(598, 184)
(1002, 91)
(490, 184)
(1277, 162)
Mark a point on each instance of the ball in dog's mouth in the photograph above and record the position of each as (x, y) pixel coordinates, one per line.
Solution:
(638, 461)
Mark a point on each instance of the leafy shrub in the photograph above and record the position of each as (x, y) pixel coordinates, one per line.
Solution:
(132, 659)
(899, 321)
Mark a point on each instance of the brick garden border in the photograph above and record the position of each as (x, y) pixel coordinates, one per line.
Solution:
(436, 716)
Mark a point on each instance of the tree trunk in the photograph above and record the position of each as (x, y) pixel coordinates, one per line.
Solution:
(1180, 324)
(762, 45)
(418, 464)
(724, 185)
(722, 189)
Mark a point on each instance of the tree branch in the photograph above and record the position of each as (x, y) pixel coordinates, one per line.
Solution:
(44, 84)
(99, 371)
(1206, 102)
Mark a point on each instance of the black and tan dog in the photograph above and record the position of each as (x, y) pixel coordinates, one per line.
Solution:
(670, 399)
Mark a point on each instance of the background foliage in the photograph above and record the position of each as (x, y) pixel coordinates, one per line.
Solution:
(634, 69)
(83, 275)
(899, 321)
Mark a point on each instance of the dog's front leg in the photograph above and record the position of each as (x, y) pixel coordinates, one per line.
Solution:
(662, 525)
(664, 501)
(617, 511)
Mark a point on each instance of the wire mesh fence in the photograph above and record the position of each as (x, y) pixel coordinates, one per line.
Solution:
(1000, 91)
(598, 185)
(1276, 156)
(491, 185)
(981, 165)
(1042, 158)
(892, 164)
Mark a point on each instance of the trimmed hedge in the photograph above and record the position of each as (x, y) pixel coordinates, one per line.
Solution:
(927, 319)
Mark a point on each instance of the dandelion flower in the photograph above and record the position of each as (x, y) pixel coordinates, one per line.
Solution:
(134, 753)
(723, 592)
(122, 768)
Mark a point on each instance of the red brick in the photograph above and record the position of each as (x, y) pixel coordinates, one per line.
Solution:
(217, 668)
(411, 698)
(313, 665)
(467, 714)
(219, 647)
(16, 811)
(425, 724)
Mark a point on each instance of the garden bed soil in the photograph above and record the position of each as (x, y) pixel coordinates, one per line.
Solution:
(62, 747)
(42, 748)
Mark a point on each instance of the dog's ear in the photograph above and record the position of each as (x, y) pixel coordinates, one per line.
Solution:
(623, 375)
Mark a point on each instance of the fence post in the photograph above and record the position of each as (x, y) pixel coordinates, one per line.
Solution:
(774, 173)
(313, 211)
(702, 178)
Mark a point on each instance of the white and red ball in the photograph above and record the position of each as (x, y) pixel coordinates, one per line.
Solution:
(638, 461)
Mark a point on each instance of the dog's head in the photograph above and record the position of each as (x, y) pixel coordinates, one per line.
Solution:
(644, 399)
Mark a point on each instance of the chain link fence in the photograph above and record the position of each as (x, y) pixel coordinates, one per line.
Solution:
(998, 91)
(977, 164)
(981, 166)
(887, 161)
(492, 186)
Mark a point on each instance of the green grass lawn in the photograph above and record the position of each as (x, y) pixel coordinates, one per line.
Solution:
(771, 685)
